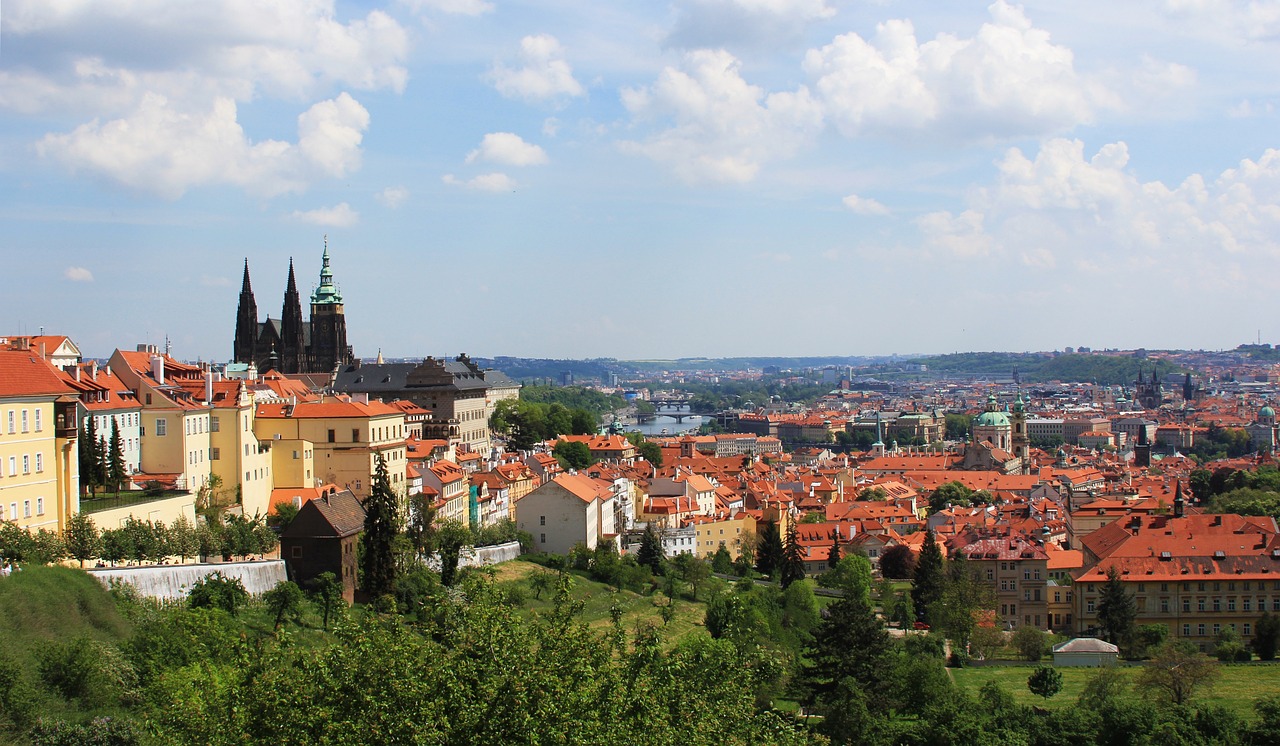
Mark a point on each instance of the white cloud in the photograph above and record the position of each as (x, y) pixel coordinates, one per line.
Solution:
(78, 274)
(393, 197)
(721, 128)
(543, 74)
(1094, 215)
(164, 150)
(339, 216)
(450, 7)
(507, 149)
(865, 205)
(1008, 79)
(492, 182)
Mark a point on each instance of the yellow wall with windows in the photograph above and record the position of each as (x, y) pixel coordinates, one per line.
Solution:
(349, 459)
(30, 461)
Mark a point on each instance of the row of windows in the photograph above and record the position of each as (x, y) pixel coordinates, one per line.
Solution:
(26, 509)
(1203, 586)
(1202, 629)
(26, 418)
(26, 464)
(1245, 604)
(1027, 573)
(102, 422)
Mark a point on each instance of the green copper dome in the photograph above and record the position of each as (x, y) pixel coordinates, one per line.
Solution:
(1267, 411)
(326, 293)
(991, 419)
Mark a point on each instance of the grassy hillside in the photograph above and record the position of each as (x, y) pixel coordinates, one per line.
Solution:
(41, 605)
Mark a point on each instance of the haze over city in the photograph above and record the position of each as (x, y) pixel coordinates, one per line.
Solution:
(640, 180)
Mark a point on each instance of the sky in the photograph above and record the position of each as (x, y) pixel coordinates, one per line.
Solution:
(642, 180)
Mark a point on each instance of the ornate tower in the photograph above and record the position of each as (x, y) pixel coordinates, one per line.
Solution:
(246, 322)
(1021, 439)
(293, 351)
(328, 347)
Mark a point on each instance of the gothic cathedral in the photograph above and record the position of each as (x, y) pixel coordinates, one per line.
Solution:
(288, 344)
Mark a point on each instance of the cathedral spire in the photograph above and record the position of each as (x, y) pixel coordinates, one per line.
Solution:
(326, 293)
(292, 337)
(246, 336)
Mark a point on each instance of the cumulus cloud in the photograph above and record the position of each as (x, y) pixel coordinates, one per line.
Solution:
(78, 274)
(749, 23)
(493, 182)
(339, 216)
(393, 197)
(721, 128)
(1008, 79)
(166, 150)
(1094, 215)
(865, 205)
(543, 73)
(507, 149)
(450, 7)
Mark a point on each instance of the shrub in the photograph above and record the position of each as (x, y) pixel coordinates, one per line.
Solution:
(216, 591)
(94, 672)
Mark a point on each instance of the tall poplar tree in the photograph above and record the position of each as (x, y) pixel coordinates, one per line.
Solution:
(381, 524)
(929, 582)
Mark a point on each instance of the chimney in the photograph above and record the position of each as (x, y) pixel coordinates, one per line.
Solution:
(42, 355)
(77, 367)
(93, 371)
(208, 387)
(157, 369)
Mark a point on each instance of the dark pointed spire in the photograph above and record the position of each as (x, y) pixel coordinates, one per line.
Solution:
(292, 338)
(246, 336)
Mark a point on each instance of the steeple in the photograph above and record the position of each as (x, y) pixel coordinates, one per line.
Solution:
(246, 321)
(326, 293)
(292, 340)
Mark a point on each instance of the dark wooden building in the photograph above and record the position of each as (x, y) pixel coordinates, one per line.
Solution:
(322, 538)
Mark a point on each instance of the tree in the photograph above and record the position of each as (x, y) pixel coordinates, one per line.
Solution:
(898, 561)
(1177, 672)
(1116, 611)
(693, 571)
(851, 576)
(184, 539)
(964, 596)
(216, 591)
(326, 592)
(281, 515)
(926, 590)
(951, 493)
(572, 454)
(115, 457)
(284, 600)
(541, 581)
(722, 561)
(83, 541)
(833, 554)
(1266, 636)
(452, 537)
(769, 549)
(849, 644)
(650, 554)
(792, 559)
(89, 455)
(420, 527)
(1029, 642)
(651, 452)
(381, 524)
(1045, 682)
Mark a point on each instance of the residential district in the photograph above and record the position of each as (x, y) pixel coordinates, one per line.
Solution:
(1051, 490)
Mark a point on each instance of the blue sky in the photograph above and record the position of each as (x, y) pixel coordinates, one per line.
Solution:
(641, 180)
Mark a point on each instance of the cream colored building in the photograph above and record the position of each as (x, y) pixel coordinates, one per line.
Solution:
(39, 463)
(347, 437)
(571, 509)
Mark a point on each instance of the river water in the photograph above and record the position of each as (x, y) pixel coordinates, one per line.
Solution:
(668, 424)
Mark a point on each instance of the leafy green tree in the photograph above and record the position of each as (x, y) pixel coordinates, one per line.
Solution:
(82, 538)
(184, 539)
(851, 576)
(1266, 636)
(326, 592)
(693, 570)
(929, 582)
(452, 537)
(964, 595)
(285, 600)
(792, 559)
(769, 549)
(281, 515)
(722, 561)
(1116, 611)
(381, 525)
(420, 524)
(117, 545)
(1201, 484)
(1029, 642)
(650, 554)
(833, 555)
(1176, 673)
(572, 454)
(217, 591)
(950, 493)
(651, 452)
(1045, 682)
(541, 581)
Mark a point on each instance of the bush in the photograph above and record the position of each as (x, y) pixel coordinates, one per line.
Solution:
(216, 591)
(101, 731)
(17, 695)
(94, 672)
(1030, 643)
(1233, 652)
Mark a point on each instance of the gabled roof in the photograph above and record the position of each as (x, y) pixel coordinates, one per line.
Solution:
(24, 373)
(336, 515)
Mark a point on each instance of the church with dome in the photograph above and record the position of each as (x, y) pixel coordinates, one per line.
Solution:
(289, 344)
(999, 439)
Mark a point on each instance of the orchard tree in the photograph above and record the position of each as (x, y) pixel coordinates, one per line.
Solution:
(1177, 672)
(284, 600)
(1045, 682)
(82, 538)
(326, 592)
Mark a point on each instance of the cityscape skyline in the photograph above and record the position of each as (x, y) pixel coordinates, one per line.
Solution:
(712, 178)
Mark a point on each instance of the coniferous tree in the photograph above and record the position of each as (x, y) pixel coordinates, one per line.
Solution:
(381, 524)
(115, 457)
(850, 643)
(722, 561)
(1266, 636)
(101, 460)
(769, 549)
(929, 582)
(833, 556)
(1116, 611)
(792, 558)
(88, 449)
(650, 554)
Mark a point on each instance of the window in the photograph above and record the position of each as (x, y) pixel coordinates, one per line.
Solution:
(11, 427)
(39, 465)
(1247, 603)
(39, 506)
(1217, 628)
(296, 551)
(1164, 606)
(1231, 604)
(542, 520)
(1090, 607)
(542, 538)
(1200, 630)
(26, 464)
(991, 574)
(332, 436)
(215, 454)
(1186, 605)
(213, 425)
(26, 508)
(13, 472)
(39, 425)
(1217, 604)
(357, 484)
(1199, 604)
(1248, 629)
(1186, 630)
(355, 435)
(162, 427)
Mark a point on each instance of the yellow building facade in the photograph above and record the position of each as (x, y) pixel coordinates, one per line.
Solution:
(39, 464)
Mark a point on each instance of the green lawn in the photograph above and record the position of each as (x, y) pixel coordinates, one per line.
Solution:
(1237, 688)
